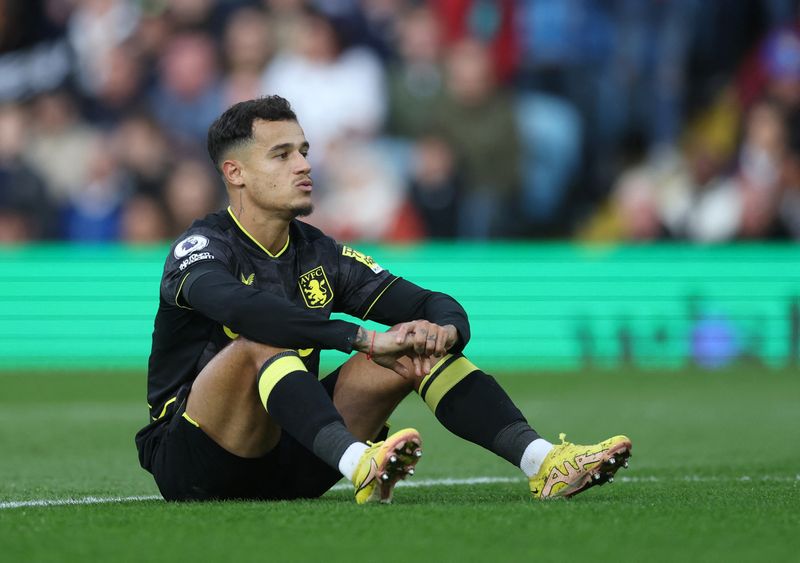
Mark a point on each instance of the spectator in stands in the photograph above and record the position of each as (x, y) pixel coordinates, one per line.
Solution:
(491, 23)
(434, 187)
(120, 88)
(93, 212)
(416, 79)
(369, 23)
(339, 91)
(760, 171)
(365, 196)
(35, 56)
(772, 67)
(60, 144)
(26, 210)
(143, 153)
(95, 29)
(153, 32)
(781, 58)
(286, 16)
(551, 135)
(477, 119)
(191, 191)
(193, 15)
(188, 94)
(415, 91)
(789, 204)
(144, 221)
(247, 48)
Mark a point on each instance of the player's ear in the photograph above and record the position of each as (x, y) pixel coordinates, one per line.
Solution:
(232, 172)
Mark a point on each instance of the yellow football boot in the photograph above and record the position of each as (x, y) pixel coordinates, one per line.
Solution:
(383, 464)
(571, 468)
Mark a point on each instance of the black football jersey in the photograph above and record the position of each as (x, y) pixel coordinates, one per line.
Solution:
(312, 275)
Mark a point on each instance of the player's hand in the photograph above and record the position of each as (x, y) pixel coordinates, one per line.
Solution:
(383, 349)
(429, 339)
(430, 342)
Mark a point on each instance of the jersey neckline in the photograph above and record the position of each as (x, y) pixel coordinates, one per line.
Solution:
(253, 239)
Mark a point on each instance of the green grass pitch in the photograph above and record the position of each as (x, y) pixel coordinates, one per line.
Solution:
(715, 476)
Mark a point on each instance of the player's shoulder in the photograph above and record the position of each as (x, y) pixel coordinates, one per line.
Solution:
(214, 227)
(311, 239)
(202, 239)
(342, 254)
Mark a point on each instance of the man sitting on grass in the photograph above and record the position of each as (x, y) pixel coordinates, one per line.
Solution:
(246, 297)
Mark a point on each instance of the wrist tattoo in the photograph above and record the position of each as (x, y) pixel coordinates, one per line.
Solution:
(361, 340)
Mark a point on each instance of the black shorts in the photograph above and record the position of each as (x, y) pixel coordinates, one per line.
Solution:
(188, 465)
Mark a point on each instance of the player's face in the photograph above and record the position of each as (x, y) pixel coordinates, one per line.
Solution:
(275, 169)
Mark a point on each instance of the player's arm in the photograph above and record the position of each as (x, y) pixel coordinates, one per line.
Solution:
(212, 290)
(404, 301)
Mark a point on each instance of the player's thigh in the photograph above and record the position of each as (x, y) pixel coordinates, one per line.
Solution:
(366, 394)
(225, 404)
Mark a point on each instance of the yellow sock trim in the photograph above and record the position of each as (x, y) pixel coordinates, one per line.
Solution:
(276, 371)
(441, 383)
(434, 369)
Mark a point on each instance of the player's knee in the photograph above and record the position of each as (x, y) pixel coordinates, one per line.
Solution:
(258, 352)
(407, 383)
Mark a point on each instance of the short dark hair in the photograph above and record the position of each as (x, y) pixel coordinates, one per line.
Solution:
(235, 125)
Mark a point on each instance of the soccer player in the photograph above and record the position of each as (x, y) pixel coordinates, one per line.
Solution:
(245, 302)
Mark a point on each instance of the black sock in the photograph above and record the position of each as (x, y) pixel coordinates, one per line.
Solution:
(472, 405)
(297, 401)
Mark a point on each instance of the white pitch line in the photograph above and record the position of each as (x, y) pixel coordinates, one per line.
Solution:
(445, 482)
(72, 501)
(412, 484)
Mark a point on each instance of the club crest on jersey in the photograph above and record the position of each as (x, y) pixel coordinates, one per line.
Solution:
(190, 244)
(317, 291)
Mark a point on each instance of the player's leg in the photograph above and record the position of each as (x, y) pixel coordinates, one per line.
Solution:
(365, 394)
(472, 405)
(222, 442)
(249, 393)
(224, 401)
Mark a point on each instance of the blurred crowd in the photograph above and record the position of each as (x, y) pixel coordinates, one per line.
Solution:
(601, 120)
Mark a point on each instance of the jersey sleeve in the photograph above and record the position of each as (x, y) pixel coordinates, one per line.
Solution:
(261, 315)
(196, 246)
(359, 283)
(404, 301)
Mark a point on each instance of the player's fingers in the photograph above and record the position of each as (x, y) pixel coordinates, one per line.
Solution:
(401, 333)
(441, 343)
(426, 365)
(452, 338)
(430, 342)
(417, 366)
(420, 339)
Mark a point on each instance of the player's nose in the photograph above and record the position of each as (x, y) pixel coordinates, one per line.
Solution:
(302, 165)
